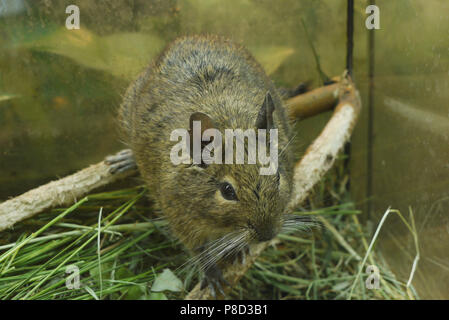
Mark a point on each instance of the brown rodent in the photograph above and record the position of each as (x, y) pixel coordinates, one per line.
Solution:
(218, 209)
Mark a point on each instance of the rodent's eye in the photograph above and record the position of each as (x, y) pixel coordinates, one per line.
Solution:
(227, 191)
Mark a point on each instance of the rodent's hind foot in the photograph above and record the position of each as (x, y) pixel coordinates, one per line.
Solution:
(121, 162)
(213, 279)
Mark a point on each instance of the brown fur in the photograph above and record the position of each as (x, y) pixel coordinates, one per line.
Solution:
(221, 79)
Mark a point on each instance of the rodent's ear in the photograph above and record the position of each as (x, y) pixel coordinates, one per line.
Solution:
(265, 117)
(206, 121)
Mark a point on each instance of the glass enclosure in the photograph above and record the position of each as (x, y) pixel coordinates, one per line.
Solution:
(60, 90)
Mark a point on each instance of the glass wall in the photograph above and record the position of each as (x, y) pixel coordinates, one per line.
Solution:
(60, 89)
(401, 145)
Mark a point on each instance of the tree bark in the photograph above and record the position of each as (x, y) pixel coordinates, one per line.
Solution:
(313, 102)
(61, 192)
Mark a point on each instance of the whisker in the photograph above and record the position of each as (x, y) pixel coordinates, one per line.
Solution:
(294, 223)
(196, 258)
(289, 141)
(217, 249)
(225, 251)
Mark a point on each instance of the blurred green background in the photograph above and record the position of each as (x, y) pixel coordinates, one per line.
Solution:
(60, 90)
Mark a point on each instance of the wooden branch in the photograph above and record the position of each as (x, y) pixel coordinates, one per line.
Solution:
(321, 154)
(319, 158)
(313, 102)
(66, 191)
(61, 192)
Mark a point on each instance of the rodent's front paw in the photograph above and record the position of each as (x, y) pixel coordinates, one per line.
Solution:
(121, 161)
(213, 278)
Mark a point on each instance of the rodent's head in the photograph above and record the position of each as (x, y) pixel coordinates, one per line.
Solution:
(241, 201)
(235, 202)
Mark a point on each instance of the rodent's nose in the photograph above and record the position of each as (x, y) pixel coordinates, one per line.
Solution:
(266, 236)
(265, 232)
